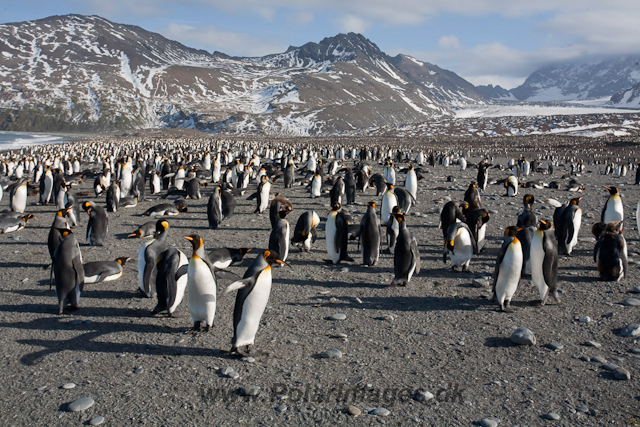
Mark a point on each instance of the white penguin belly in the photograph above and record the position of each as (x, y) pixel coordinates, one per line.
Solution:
(509, 273)
(389, 201)
(614, 211)
(252, 309)
(481, 234)
(264, 197)
(330, 232)
(577, 221)
(181, 284)
(537, 264)
(202, 292)
(463, 250)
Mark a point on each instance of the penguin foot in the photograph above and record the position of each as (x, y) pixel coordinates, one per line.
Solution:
(196, 326)
(207, 328)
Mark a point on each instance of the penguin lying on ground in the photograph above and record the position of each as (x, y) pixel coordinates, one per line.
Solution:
(104, 271)
(147, 229)
(9, 225)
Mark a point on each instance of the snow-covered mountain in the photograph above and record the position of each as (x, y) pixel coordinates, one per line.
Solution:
(572, 82)
(629, 98)
(86, 73)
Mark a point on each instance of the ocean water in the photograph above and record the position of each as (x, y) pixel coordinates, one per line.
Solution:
(17, 140)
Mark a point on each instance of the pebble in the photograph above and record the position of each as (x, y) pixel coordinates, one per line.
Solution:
(358, 300)
(68, 386)
(229, 372)
(341, 335)
(635, 350)
(338, 316)
(380, 412)
(582, 409)
(489, 422)
(389, 317)
(423, 396)
(332, 353)
(599, 359)
(622, 374)
(523, 336)
(81, 404)
(281, 408)
(352, 410)
(479, 283)
(610, 367)
(555, 346)
(636, 290)
(631, 330)
(584, 319)
(96, 421)
(551, 416)
(344, 270)
(250, 390)
(632, 302)
(138, 370)
(593, 344)
(248, 359)
(42, 388)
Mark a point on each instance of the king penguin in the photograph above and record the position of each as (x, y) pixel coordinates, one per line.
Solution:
(369, 236)
(452, 212)
(305, 232)
(68, 272)
(147, 259)
(279, 237)
(214, 208)
(527, 218)
(60, 224)
(544, 261)
(389, 200)
(568, 220)
(511, 184)
(18, 195)
(171, 280)
(459, 245)
(264, 188)
(253, 294)
(104, 271)
(201, 282)
(508, 270)
(337, 235)
(411, 182)
(406, 258)
(613, 209)
(225, 257)
(98, 224)
(610, 253)
(472, 196)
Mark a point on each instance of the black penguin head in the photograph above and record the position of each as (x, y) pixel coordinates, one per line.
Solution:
(27, 217)
(545, 225)
(86, 206)
(389, 186)
(472, 185)
(612, 190)
(511, 231)
(576, 201)
(486, 216)
(63, 212)
(283, 213)
(122, 260)
(336, 207)
(373, 205)
(243, 251)
(272, 257)
(64, 232)
(161, 226)
(528, 199)
(196, 241)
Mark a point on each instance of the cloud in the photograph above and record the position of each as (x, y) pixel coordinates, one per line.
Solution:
(351, 23)
(231, 43)
(449, 42)
(300, 18)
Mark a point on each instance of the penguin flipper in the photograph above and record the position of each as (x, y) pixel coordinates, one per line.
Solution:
(550, 258)
(239, 284)
(226, 274)
(181, 271)
(415, 254)
(79, 271)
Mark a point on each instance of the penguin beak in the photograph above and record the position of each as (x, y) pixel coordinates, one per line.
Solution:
(189, 238)
(283, 263)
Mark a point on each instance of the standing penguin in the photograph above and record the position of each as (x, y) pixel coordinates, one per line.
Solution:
(201, 282)
(610, 253)
(483, 175)
(46, 186)
(337, 192)
(472, 196)
(279, 237)
(253, 294)
(18, 195)
(477, 220)
(527, 218)
(452, 212)
(214, 208)
(337, 235)
(171, 280)
(264, 188)
(613, 209)
(544, 261)
(459, 245)
(568, 220)
(68, 272)
(389, 200)
(411, 182)
(98, 224)
(113, 197)
(369, 236)
(55, 233)
(350, 187)
(406, 258)
(154, 182)
(393, 228)
(289, 175)
(316, 186)
(525, 235)
(508, 268)
(228, 204)
(305, 232)
(147, 259)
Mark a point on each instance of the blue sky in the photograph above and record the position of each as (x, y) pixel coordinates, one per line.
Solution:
(484, 41)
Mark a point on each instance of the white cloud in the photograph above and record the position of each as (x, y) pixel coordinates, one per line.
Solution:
(231, 43)
(449, 42)
(351, 23)
(300, 18)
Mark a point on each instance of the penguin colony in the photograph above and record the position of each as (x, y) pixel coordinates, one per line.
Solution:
(385, 180)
